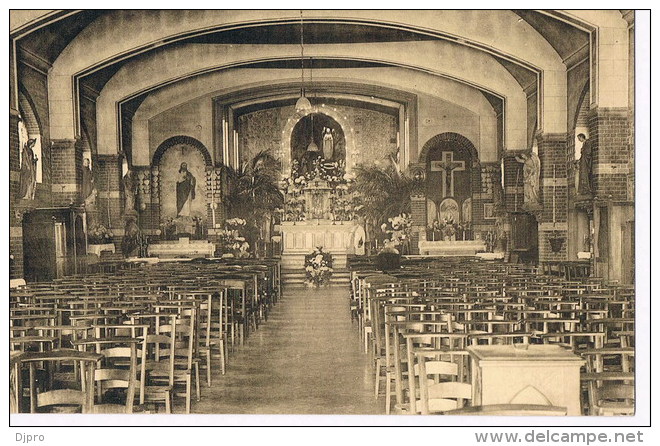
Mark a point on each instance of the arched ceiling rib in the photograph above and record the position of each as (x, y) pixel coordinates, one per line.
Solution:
(104, 40)
(236, 79)
(176, 63)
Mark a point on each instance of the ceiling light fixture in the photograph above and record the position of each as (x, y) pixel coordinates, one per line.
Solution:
(303, 104)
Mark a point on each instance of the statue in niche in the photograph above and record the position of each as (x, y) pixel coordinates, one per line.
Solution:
(531, 174)
(467, 210)
(328, 144)
(585, 164)
(88, 187)
(28, 173)
(130, 189)
(185, 191)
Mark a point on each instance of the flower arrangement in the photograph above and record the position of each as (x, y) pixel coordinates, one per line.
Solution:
(320, 169)
(232, 241)
(318, 267)
(235, 224)
(398, 229)
(295, 208)
(99, 235)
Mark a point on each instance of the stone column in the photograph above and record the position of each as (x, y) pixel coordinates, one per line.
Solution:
(15, 228)
(66, 171)
(612, 143)
(107, 176)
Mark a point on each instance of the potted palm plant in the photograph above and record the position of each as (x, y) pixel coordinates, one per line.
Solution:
(383, 192)
(253, 193)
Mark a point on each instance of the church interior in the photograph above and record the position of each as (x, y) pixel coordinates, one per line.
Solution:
(322, 212)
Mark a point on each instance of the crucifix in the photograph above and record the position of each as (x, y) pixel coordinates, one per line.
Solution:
(447, 166)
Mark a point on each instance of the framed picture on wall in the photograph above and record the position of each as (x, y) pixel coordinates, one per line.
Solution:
(488, 211)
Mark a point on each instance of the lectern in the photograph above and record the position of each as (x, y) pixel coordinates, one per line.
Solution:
(526, 374)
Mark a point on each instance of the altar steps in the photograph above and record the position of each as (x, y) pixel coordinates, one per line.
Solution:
(296, 277)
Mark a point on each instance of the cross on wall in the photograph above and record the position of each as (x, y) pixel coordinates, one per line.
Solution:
(447, 166)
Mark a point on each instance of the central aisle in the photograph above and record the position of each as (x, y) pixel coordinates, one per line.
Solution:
(306, 359)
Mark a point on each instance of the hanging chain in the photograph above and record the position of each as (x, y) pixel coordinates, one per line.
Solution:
(302, 56)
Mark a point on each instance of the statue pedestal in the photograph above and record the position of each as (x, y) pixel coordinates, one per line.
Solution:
(302, 238)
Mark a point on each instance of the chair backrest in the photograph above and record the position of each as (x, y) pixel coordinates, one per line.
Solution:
(112, 376)
(615, 398)
(440, 389)
(70, 398)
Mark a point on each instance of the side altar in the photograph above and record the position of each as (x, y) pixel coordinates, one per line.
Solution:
(181, 248)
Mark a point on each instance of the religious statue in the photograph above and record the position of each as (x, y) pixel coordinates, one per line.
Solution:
(87, 180)
(467, 210)
(130, 188)
(585, 184)
(431, 210)
(448, 167)
(185, 191)
(28, 174)
(328, 144)
(132, 240)
(531, 173)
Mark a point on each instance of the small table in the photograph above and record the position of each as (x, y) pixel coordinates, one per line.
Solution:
(531, 374)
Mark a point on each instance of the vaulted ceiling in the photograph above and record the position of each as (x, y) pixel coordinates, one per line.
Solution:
(49, 39)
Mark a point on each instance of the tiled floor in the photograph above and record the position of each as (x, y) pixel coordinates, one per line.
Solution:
(306, 359)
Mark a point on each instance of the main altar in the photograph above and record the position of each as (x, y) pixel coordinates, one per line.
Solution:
(302, 238)
(318, 212)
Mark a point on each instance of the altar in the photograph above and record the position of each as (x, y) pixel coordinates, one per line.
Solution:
(302, 238)
(452, 248)
(182, 247)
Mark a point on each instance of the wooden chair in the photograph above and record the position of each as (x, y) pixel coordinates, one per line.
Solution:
(78, 397)
(436, 395)
(214, 341)
(111, 377)
(182, 328)
(613, 399)
(156, 364)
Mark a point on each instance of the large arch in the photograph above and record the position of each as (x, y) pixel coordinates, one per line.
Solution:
(102, 42)
(190, 60)
(205, 87)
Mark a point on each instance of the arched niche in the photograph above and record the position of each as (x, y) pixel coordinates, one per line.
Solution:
(285, 151)
(165, 170)
(326, 134)
(449, 159)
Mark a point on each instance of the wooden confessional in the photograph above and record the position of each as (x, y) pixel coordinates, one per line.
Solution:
(54, 242)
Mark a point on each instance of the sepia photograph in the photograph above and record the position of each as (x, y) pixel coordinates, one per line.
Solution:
(427, 215)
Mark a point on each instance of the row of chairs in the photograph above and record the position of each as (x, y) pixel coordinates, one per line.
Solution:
(434, 309)
(147, 334)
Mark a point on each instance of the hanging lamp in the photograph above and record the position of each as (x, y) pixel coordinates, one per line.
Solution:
(312, 147)
(303, 104)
